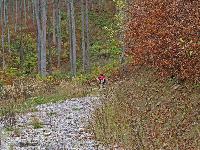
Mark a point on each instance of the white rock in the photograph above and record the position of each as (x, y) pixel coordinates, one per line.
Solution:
(65, 129)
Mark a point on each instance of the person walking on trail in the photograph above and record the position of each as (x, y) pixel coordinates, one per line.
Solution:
(102, 80)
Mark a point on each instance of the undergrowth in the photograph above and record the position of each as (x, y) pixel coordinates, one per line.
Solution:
(145, 112)
(23, 94)
(55, 93)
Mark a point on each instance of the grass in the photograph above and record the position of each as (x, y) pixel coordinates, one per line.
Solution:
(9, 129)
(64, 90)
(12, 131)
(36, 123)
(52, 114)
(144, 112)
(25, 93)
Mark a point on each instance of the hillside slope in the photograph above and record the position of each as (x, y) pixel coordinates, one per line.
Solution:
(146, 112)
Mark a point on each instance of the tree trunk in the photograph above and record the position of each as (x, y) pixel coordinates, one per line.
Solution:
(2, 36)
(83, 33)
(25, 19)
(54, 21)
(21, 49)
(28, 6)
(70, 33)
(87, 37)
(41, 18)
(9, 40)
(50, 53)
(3, 48)
(49, 46)
(72, 36)
(58, 32)
(37, 14)
(33, 12)
(13, 9)
(8, 26)
(16, 15)
(5, 13)
(43, 39)
(123, 11)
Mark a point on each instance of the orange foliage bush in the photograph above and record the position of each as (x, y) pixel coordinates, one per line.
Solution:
(166, 34)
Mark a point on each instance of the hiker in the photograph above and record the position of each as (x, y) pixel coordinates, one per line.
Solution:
(102, 80)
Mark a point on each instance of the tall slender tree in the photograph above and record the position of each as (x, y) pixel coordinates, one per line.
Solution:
(2, 34)
(54, 21)
(41, 18)
(16, 15)
(49, 43)
(12, 9)
(85, 34)
(58, 32)
(21, 48)
(44, 33)
(9, 49)
(72, 30)
(8, 26)
(33, 12)
(25, 13)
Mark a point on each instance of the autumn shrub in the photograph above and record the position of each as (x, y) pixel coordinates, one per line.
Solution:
(144, 112)
(165, 34)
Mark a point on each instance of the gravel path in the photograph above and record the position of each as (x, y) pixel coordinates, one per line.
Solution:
(61, 127)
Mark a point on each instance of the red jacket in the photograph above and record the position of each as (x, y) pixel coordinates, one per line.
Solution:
(101, 77)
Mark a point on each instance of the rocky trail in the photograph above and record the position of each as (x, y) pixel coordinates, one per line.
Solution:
(59, 126)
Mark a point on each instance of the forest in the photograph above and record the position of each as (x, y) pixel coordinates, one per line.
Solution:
(66, 27)
(53, 52)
